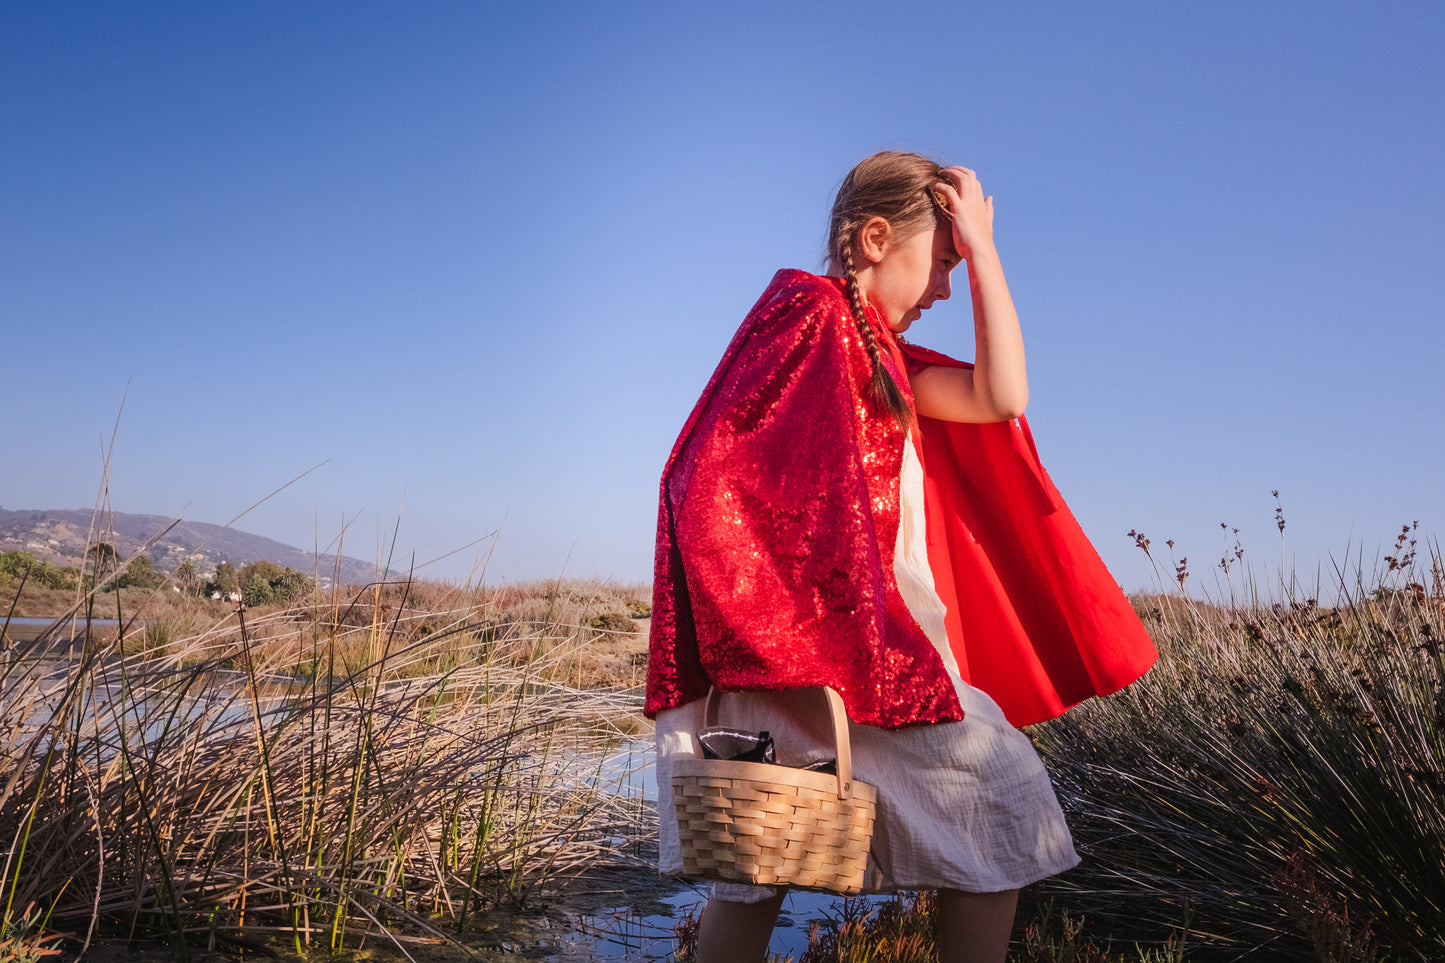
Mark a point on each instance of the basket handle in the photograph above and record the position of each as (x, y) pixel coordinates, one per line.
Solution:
(839, 718)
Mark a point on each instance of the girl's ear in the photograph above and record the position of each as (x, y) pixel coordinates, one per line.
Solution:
(873, 239)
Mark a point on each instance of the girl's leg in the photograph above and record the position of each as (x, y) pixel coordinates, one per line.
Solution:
(738, 932)
(975, 927)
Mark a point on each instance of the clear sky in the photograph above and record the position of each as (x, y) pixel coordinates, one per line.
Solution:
(480, 259)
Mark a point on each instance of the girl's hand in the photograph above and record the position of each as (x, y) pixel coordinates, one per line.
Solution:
(997, 387)
(971, 211)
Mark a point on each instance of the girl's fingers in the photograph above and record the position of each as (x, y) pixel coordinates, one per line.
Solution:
(969, 208)
(958, 188)
(949, 193)
(962, 180)
(963, 198)
(960, 173)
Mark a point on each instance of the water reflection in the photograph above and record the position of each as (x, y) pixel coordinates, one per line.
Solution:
(638, 924)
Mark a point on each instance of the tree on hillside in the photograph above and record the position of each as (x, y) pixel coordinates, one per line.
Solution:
(15, 566)
(100, 564)
(255, 582)
(294, 585)
(139, 574)
(225, 580)
(266, 583)
(187, 577)
(261, 571)
(102, 558)
(18, 566)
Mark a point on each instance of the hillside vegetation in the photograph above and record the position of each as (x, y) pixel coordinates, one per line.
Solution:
(65, 537)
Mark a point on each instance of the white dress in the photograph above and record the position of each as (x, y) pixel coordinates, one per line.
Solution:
(961, 805)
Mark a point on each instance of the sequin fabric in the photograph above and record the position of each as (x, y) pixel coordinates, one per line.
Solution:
(777, 520)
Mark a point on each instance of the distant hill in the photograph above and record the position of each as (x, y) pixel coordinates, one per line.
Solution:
(59, 536)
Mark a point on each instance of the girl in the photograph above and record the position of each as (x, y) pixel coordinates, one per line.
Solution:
(843, 508)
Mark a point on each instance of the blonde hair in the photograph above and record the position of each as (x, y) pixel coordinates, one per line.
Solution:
(897, 187)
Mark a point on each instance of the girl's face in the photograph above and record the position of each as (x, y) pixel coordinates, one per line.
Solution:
(910, 276)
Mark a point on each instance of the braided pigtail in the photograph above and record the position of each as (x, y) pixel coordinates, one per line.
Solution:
(902, 189)
(882, 387)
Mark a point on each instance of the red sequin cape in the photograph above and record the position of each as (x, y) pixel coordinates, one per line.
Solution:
(778, 518)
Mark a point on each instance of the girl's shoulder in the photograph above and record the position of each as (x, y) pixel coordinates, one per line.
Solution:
(791, 283)
(792, 291)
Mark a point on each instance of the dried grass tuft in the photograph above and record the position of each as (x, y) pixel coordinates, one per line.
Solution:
(1280, 775)
(356, 765)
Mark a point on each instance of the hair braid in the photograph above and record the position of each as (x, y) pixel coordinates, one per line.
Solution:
(901, 188)
(882, 387)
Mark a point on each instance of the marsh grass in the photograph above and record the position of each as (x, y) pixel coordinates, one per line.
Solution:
(385, 763)
(903, 929)
(1273, 789)
(1278, 777)
(23, 936)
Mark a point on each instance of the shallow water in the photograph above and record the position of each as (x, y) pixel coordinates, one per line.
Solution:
(631, 914)
(636, 918)
(623, 915)
(60, 634)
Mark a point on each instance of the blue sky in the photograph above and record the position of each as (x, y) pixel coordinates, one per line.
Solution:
(480, 259)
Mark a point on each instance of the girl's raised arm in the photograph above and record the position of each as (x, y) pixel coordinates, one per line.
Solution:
(996, 388)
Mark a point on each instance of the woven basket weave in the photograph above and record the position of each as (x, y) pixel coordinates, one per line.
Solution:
(750, 822)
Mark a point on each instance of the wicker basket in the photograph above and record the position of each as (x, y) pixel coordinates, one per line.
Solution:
(750, 822)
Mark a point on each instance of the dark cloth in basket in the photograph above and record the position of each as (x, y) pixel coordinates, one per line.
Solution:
(737, 745)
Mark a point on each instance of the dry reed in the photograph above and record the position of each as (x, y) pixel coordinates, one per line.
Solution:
(345, 767)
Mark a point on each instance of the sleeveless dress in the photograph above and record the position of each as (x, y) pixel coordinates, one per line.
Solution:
(961, 805)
